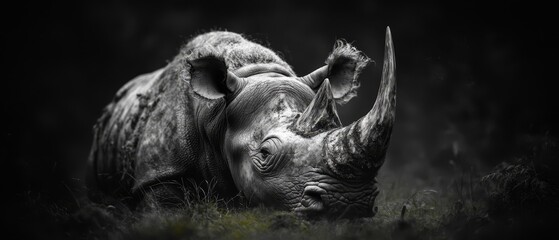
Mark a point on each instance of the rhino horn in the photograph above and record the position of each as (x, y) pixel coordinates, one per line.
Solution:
(321, 114)
(361, 146)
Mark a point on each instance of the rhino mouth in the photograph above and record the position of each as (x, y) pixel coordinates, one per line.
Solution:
(323, 201)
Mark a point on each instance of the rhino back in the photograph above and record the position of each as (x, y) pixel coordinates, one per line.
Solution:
(234, 48)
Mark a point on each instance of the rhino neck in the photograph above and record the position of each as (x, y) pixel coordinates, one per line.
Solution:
(211, 124)
(262, 68)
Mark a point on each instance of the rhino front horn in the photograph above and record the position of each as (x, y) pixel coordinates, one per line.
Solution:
(320, 115)
(359, 148)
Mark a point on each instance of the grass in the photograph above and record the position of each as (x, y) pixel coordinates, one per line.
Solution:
(516, 200)
(403, 212)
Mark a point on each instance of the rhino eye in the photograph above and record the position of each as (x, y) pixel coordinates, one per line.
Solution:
(269, 147)
(270, 156)
(265, 153)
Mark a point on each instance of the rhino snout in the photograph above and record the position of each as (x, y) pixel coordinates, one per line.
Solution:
(318, 202)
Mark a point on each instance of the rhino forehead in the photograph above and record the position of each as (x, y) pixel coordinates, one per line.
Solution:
(282, 99)
(283, 108)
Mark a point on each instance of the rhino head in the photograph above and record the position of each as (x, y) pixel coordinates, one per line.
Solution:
(284, 142)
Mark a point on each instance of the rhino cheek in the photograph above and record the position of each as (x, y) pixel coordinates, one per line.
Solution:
(249, 184)
(246, 174)
(238, 160)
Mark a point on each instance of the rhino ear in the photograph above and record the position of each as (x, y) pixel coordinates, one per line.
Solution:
(210, 78)
(343, 67)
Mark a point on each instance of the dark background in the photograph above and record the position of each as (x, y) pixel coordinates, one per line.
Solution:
(475, 80)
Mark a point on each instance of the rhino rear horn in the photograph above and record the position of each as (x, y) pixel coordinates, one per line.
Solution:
(321, 114)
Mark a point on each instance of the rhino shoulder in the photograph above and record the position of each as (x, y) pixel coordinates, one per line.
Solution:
(114, 135)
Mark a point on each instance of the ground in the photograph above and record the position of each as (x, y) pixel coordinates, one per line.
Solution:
(516, 200)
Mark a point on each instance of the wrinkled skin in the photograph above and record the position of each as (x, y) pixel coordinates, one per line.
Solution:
(277, 167)
(234, 112)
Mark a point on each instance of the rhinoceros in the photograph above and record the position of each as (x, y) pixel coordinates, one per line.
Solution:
(232, 112)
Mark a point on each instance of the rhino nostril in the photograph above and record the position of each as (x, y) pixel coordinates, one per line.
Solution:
(313, 194)
(312, 198)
